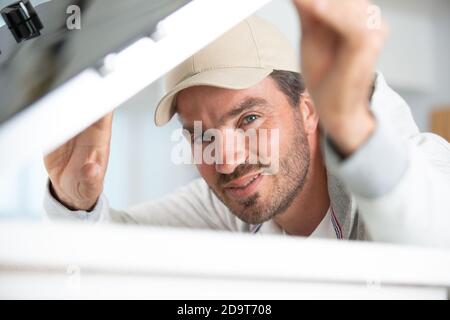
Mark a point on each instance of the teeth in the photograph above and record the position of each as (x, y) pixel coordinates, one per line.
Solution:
(251, 181)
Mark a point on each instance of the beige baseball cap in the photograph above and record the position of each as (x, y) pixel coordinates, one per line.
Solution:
(238, 60)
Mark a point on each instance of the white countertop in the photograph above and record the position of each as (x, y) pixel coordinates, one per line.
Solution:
(142, 259)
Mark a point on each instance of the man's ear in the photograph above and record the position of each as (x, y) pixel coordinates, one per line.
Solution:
(309, 114)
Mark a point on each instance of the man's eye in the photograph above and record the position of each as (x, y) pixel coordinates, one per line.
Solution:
(249, 119)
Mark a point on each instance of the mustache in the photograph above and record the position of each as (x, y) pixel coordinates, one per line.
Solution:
(239, 172)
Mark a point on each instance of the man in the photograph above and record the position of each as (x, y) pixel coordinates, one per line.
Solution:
(375, 176)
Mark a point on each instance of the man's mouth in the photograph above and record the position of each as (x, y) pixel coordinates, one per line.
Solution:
(243, 187)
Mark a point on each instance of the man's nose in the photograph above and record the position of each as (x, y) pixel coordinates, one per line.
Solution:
(231, 152)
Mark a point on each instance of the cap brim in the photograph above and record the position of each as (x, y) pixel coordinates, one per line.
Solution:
(227, 78)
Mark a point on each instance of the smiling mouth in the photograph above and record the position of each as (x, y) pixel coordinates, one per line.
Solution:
(248, 183)
(243, 181)
(244, 187)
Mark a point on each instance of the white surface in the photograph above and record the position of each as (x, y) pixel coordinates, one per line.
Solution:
(61, 286)
(130, 262)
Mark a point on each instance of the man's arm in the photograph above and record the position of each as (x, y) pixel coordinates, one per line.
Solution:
(193, 206)
(77, 170)
(400, 178)
(339, 51)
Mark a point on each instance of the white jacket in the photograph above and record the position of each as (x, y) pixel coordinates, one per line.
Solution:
(395, 188)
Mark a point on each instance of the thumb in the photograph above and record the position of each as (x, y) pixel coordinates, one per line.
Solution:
(91, 182)
(307, 21)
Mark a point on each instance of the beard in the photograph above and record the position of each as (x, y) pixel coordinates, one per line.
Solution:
(286, 185)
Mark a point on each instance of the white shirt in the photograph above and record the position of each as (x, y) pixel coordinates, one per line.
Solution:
(328, 228)
(193, 206)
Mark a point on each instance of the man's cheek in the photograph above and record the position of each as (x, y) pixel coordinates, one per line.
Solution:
(266, 188)
(269, 150)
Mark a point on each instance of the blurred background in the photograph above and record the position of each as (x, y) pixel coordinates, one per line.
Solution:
(415, 62)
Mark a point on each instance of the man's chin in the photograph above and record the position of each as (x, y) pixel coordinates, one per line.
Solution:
(253, 218)
(251, 211)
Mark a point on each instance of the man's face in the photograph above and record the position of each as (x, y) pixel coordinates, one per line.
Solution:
(243, 186)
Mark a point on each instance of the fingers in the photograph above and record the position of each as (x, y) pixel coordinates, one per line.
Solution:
(89, 186)
(307, 21)
(341, 15)
(91, 171)
(349, 18)
(105, 122)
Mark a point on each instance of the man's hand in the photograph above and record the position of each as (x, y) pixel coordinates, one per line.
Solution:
(339, 54)
(77, 169)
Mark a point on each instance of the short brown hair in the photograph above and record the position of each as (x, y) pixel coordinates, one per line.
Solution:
(291, 84)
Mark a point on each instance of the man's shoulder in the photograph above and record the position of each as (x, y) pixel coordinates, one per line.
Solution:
(205, 199)
(198, 184)
(388, 106)
(199, 191)
(392, 109)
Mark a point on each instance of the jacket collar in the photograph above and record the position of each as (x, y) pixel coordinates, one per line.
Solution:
(342, 204)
